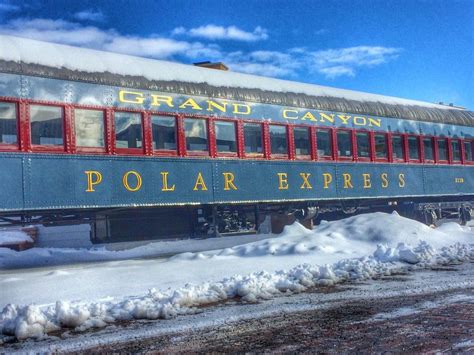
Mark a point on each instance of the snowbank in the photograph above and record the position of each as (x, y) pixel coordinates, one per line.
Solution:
(13, 237)
(356, 248)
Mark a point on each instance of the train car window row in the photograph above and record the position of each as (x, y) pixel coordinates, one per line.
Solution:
(48, 127)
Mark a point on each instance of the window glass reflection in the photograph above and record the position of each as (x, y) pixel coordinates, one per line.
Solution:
(164, 132)
(278, 140)
(226, 140)
(302, 144)
(196, 134)
(253, 138)
(46, 125)
(8, 123)
(363, 144)
(89, 128)
(324, 143)
(344, 144)
(413, 148)
(128, 130)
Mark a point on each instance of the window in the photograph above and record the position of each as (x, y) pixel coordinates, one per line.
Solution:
(278, 140)
(413, 148)
(428, 148)
(302, 144)
(253, 138)
(456, 150)
(468, 147)
(344, 144)
(164, 132)
(381, 149)
(226, 139)
(196, 134)
(363, 145)
(128, 130)
(398, 148)
(8, 123)
(89, 128)
(324, 143)
(442, 149)
(46, 125)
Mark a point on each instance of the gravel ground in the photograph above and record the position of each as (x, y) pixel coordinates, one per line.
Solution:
(422, 311)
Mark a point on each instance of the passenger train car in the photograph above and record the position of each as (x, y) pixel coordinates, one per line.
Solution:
(143, 148)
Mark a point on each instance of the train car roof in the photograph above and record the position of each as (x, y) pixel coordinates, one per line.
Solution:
(31, 57)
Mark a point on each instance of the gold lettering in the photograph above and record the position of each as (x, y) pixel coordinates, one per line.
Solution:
(164, 177)
(212, 104)
(191, 103)
(360, 120)
(367, 182)
(156, 99)
(282, 181)
(375, 122)
(90, 181)
(347, 181)
(384, 177)
(308, 115)
(229, 181)
(326, 117)
(306, 184)
(200, 182)
(327, 179)
(136, 97)
(344, 118)
(246, 107)
(285, 114)
(401, 180)
(127, 185)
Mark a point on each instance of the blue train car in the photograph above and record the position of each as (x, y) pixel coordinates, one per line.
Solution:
(146, 148)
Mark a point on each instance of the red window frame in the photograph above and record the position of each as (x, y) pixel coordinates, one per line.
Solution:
(72, 121)
(387, 145)
(165, 152)
(356, 148)
(129, 151)
(288, 147)
(352, 144)
(332, 138)
(43, 148)
(244, 154)
(211, 151)
(311, 144)
(227, 154)
(437, 159)
(418, 140)
(450, 150)
(471, 143)
(404, 159)
(433, 147)
(9, 146)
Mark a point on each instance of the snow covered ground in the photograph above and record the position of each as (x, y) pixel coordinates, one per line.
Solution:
(38, 301)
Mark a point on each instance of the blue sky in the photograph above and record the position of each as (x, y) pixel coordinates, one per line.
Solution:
(408, 48)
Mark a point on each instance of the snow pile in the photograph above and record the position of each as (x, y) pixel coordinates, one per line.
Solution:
(356, 248)
(13, 237)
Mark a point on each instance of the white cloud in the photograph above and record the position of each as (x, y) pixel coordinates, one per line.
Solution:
(89, 15)
(290, 63)
(61, 31)
(345, 61)
(214, 32)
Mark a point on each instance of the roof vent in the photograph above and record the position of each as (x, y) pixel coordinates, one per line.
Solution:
(216, 65)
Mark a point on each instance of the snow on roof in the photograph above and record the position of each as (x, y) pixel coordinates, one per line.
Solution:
(30, 51)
